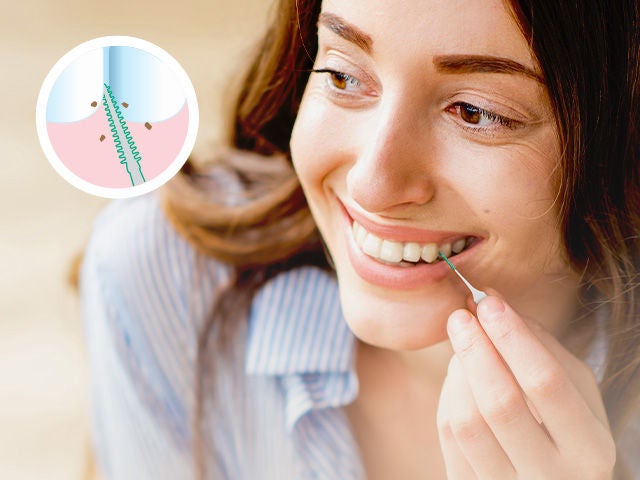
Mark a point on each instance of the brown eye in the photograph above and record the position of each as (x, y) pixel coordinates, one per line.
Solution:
(339, 80)
(470, 114)
(478, 119)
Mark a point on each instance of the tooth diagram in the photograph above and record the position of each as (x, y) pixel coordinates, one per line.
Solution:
(117, 116)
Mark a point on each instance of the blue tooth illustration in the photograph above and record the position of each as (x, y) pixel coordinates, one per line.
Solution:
(148, 85)
(75, 88)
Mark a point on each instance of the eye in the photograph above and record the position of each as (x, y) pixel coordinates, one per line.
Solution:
(479, 117)
(340, 80)
(470, 114)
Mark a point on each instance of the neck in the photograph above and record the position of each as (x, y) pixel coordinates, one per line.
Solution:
(553, 308)
(419, 371)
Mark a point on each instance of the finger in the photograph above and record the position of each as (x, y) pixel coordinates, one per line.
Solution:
(474, 437)
(582, 375)
(455, 462)
(498, 396)
(471, 305)
(564, 411)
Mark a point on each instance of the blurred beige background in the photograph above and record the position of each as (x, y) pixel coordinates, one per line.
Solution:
(43, 398)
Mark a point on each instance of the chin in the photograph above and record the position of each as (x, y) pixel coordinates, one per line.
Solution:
(397, 321)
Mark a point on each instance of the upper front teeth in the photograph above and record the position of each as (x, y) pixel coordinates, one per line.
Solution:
(395, 252)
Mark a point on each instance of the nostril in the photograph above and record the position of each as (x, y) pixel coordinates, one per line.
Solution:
(383, 190)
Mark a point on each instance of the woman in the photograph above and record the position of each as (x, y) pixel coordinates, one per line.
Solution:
(504, 135)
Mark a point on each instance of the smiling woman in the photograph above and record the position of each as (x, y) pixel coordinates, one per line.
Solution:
(282, 310)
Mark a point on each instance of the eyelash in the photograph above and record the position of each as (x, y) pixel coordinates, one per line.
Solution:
(493, 117)
(335, 74)
(456, 107)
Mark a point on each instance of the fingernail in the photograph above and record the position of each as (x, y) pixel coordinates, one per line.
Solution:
(459, 322)
(490, 309)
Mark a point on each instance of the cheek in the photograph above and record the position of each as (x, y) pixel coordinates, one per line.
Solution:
(529, 208)
(513, 187)
(515, 199)
(308, 142)
(511, 194)
(320, 142)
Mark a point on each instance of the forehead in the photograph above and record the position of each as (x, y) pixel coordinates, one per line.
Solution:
(427, 28)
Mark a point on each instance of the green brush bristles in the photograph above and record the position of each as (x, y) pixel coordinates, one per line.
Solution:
(444, 257)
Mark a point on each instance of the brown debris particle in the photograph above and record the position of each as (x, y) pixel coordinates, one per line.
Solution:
(125, 104)
(102, 137)
(148, 125)
(94, 104)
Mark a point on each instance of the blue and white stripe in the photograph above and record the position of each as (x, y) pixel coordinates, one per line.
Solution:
(274, 411)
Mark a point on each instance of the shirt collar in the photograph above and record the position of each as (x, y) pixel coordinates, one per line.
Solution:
(296, 326)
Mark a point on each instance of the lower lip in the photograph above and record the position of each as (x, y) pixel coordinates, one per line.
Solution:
(389, 276)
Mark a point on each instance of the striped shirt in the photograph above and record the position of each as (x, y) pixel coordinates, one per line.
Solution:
(278, 390)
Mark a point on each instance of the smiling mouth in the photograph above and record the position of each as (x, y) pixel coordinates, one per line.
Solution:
(406, 254)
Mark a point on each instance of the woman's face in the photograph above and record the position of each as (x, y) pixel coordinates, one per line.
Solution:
(430, 129)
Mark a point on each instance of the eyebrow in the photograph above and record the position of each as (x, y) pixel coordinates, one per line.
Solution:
(341, 27)
(482, 64)
(443, 63)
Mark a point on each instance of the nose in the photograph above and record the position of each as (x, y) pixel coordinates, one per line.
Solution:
(394, 164)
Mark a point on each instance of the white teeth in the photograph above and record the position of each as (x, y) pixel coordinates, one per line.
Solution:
(445, 248)
(458, 245)
(360, 234)
(391, 251)
(395, 252)
(411, 252)
(372, 245)
(429, 252)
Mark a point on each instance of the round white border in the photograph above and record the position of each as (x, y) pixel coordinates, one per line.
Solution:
(43, 134)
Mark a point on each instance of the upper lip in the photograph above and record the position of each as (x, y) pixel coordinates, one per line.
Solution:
(404, 234)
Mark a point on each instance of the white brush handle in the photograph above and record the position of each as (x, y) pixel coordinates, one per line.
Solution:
(478, 295)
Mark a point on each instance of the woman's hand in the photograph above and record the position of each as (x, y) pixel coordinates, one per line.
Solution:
(516, 404)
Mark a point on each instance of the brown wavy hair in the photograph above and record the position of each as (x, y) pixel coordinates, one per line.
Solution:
(589, 54)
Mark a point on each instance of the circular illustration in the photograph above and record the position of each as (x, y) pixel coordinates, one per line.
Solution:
(117, 117)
